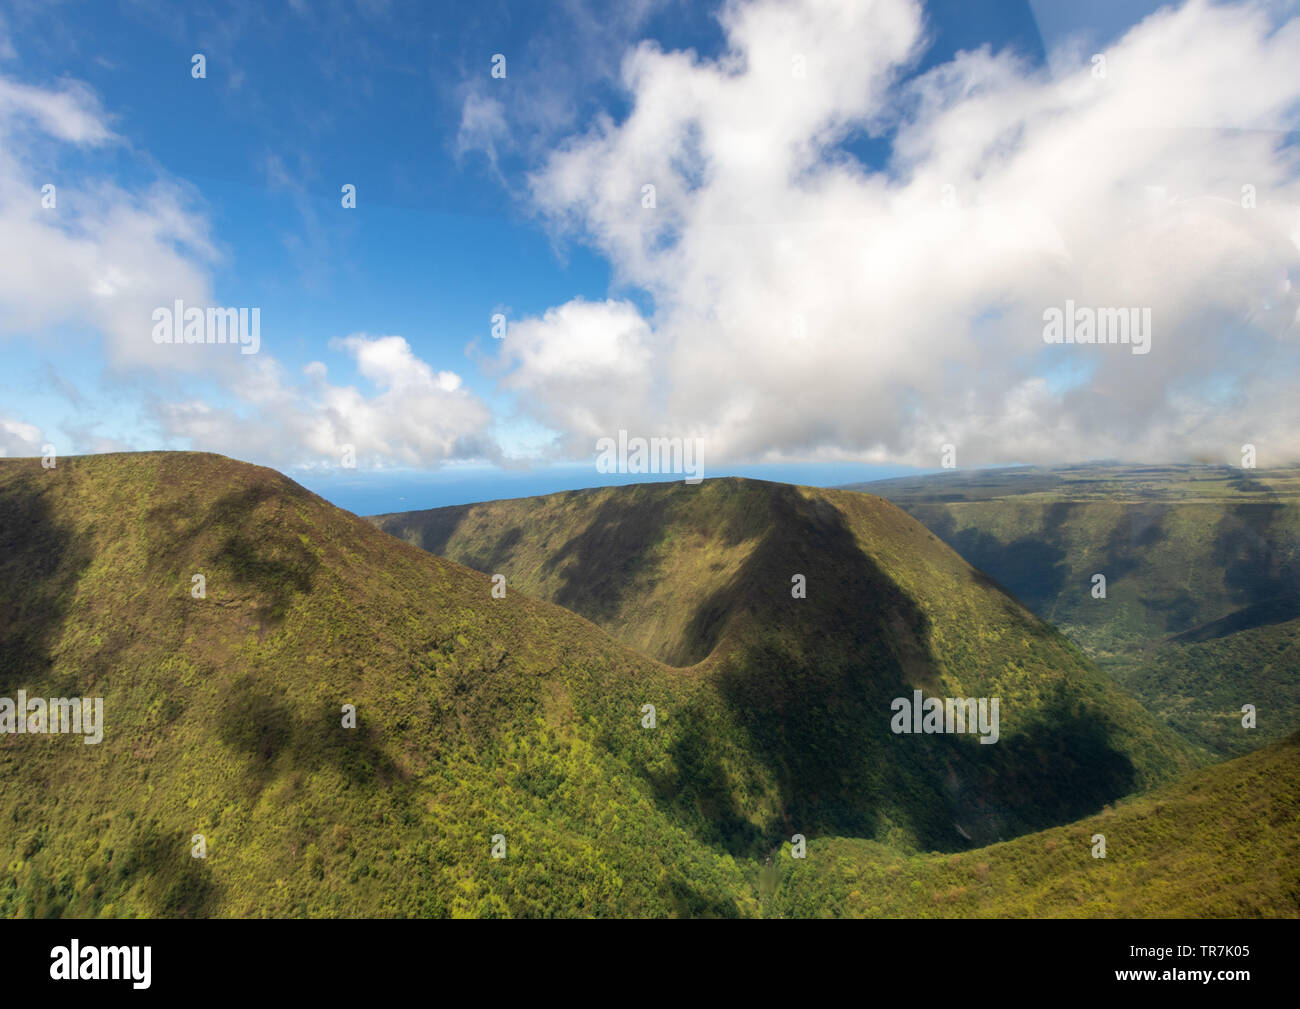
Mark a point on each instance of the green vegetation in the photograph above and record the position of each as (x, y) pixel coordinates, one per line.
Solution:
(223, 717)
(481, 716)
(1202, 566)
(703, 575)
(1225, 843)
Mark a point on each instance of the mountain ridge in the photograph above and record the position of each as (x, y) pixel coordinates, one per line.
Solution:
(885, 601)
(481, 717)
(1202, 606)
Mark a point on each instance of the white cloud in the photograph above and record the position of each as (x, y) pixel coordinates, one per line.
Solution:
(579, 363)
(19, 439)
(100, 256)
(70, 112)
(416, 416)
(922, 322)
(482, 126)
(104, 257)
(550, 84)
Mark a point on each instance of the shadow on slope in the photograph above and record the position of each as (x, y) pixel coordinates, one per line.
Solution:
(240, 531)
(41, 563)
(811, 688)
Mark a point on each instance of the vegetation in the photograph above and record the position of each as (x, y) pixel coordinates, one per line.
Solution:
(223, 717)
(1202, 567)
(703, 575)
(479, 716)
(1225, 843)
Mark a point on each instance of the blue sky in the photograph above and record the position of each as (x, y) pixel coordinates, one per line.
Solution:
(463, 211)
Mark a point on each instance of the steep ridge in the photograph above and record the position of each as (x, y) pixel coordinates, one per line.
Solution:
(485, 721)
(222, 717)
(704, 574)
(1202, 568)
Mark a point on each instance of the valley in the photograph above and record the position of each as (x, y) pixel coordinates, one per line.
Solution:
(516, 726)
(1202, 567)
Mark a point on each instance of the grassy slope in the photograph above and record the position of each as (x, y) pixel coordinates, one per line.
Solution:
(477, 716)
(1224, 843)
(703, 574)
(1202, 613)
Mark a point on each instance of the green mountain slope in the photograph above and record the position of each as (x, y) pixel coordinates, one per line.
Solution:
(704, 575)
(479, 717)
(476, 717)
(1224, 843)
(1202, 567)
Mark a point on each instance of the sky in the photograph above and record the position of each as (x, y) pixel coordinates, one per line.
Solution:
(862, 217)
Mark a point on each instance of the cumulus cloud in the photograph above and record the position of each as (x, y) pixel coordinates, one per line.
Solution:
(103, 257)
(580, 363)
(415, 415)
(806, 305)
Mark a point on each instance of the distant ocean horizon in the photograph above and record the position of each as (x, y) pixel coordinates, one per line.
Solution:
(376, 492)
